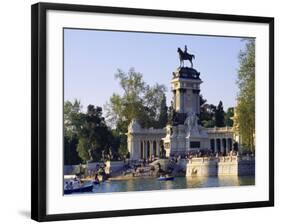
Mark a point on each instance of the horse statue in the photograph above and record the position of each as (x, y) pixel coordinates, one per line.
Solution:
(185, 56)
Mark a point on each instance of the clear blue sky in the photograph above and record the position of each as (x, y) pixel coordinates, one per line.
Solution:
(91, 58)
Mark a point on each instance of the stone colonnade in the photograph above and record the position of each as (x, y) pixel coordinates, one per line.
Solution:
(144, 143)
(149, 148)
(221, 145)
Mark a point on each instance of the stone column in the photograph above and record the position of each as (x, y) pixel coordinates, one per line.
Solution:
(227, 145)
(140, 149)
(221, 145)
(151, 148)
(198, 103)
(181, 100)
(158, 148)
(148, 149)
(177, 100)
(174, 98)
(145, 149)
(215, 145)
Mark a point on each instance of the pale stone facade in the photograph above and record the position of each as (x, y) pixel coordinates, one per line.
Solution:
(184, 135)
(220, 166)
(221, 139)
(144, 143)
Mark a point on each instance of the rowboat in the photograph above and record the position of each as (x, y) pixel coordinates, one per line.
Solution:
(85, 188)
(166, 178)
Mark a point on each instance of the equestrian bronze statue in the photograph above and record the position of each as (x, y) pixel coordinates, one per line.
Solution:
(183, 55)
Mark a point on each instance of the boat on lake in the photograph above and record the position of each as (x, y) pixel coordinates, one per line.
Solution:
(82, 189)
(165, 178)
(73, 184)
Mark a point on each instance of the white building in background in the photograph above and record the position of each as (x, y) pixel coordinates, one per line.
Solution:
(144, 143)
(184, 135)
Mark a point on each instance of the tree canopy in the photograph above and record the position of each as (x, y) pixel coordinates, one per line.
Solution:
(214, 116)
(245, 110)
(219, 115)
(139, 101)
(87, 136)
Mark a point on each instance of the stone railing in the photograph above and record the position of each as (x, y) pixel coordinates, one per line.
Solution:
(227, 159)
(148, 131)
(217, 129)
(202, 159)
(220, 166)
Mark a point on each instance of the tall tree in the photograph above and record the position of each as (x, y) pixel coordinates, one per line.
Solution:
(72, 117)
(71, 126)
(219, 115)
(163, 114)
(94, 135)
(154, 97)
(207, 113)
(122, 109)
(138, 101)
(245, 110)
(228, 117)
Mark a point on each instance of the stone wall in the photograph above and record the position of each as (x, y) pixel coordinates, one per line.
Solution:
(111, 167)
(222, 166)
(73, 169)
(227, 165)
(201, 167)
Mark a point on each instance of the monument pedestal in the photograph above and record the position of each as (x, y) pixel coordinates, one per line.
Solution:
(185, 135)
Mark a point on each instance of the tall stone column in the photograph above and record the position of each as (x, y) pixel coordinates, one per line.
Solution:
(215, 145)
(198, 102)
(145, 149)
(158, 148)
(177, 100)
(150, 149)
(174, 98)
(140, 149)
(227, 145)
(181, 100)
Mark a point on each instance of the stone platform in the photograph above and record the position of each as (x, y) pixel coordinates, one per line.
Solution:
(227, 165)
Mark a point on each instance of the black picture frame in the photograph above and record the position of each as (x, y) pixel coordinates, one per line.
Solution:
(39, 114)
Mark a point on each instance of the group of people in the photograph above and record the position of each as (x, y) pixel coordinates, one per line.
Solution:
(71, 184)
(202, 153)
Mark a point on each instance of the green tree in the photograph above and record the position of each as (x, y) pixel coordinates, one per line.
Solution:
(71, 126)
(219, 115)
(246, 97)
(72, 117)
(122, 109)
(138, 100)
(94, 136)
(154, 102)
(228, 116)
(71, 156)
(163, 114)
(207, 113)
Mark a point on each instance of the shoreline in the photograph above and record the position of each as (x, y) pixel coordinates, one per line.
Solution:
(130, 177)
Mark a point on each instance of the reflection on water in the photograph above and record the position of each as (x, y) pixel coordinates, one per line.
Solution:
(148, 184)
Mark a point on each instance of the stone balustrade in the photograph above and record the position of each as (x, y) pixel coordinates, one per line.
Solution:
(219, 166)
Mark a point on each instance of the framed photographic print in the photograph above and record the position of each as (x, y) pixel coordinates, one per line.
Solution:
(139, 111)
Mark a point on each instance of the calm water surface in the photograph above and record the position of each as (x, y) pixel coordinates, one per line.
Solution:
(148, 184)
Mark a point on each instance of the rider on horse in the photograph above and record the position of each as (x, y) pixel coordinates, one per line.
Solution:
(185, 56)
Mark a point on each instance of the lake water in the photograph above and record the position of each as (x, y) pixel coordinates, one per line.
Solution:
(148, 184)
